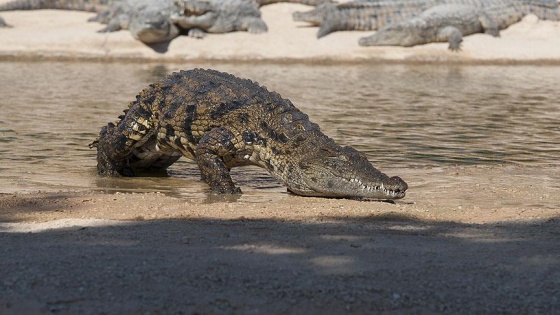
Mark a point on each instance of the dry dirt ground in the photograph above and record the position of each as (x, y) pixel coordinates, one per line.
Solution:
(488, 243)
(490, 247)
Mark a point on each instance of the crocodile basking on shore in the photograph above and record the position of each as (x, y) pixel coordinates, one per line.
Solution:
(222, 121)
(375, 14)
(77, 5)
(158, 21)
(218, 16)
(307, 2)
(146, 20)
(450, 22)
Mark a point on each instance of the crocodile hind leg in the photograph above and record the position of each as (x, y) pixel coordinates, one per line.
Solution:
(451, 34)
(211, 152)
(254, 25)
(116, 143)
(489, 26)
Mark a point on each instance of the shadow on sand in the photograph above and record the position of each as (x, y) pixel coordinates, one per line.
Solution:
(389, 264)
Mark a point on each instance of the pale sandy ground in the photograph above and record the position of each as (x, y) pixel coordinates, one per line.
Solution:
(57, 34)
(488, 244)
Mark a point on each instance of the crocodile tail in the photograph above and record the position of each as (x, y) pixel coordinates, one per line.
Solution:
(347, 19)
(306, 2)
(551, 4)
(543, 9)
(78, 5)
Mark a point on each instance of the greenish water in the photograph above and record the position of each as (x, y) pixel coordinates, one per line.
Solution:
(402, 116)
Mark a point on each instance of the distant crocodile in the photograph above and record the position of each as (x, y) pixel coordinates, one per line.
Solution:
(375, 14)
(307, 2)
(147, 20)
(447, 22)
(222, 121)
(153, 21)
(450, 22)
(218, 16)
(157, 21)
(79, 5)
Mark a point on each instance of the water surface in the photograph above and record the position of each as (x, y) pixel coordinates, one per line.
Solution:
(402, 116)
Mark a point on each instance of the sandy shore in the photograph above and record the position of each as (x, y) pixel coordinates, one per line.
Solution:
(487, 244)
(59, 34)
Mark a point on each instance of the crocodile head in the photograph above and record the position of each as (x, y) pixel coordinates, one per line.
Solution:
(392, 35)
(315, 16)
(152, 27)
(345, 172)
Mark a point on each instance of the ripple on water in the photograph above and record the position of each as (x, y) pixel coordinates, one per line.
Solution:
(402, 116)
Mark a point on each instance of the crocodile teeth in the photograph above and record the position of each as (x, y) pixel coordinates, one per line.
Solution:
(381, 188)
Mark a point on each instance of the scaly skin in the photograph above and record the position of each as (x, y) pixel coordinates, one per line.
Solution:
(361, 15)
(222, 121)
(148, 21)
(218, 16)
(373, 15)
(442, 23)
(316, 16)
(78, 5)
(306, 2)
(450, 22)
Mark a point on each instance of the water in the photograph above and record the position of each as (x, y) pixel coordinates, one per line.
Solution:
(401, 116)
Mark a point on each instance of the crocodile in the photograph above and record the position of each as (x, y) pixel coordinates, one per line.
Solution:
(447, 22)
(217, 16)
(78, 5)
(375, 14)
(159, 21)
(360, 15)
(222, 121)
(450, 22)
(306, 2)
(147, 20)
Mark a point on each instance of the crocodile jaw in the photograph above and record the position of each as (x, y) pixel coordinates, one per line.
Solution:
(338, 187)
(390, 37)
(345, 172)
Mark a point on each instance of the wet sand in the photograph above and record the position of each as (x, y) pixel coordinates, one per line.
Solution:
(486, 244)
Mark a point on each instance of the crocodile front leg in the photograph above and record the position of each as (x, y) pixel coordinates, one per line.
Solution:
(213, 149)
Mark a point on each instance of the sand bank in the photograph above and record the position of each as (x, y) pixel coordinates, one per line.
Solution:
(67, 35)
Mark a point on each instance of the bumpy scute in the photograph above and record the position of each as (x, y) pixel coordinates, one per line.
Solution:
(221, 121)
